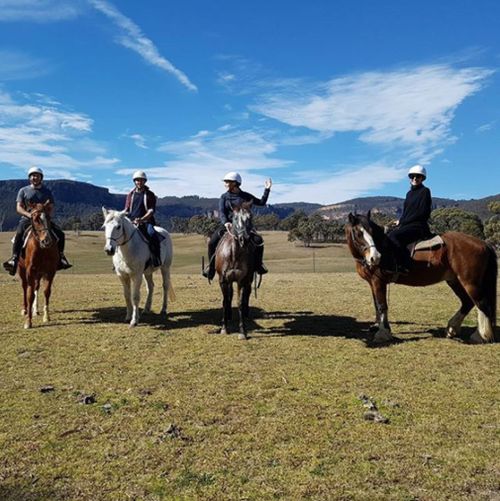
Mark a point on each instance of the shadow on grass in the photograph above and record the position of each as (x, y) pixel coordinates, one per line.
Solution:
(297, 323)
(27, 493)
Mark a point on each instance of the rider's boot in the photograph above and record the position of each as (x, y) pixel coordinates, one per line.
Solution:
(64, 264)
(260, 268)
(11, 265)
(209, 271)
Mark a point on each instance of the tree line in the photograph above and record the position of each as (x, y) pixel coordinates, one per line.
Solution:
(309, 229)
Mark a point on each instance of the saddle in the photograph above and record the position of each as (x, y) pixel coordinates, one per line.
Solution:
(435, 242)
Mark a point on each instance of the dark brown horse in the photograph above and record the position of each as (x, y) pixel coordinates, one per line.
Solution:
(234, 262)
(40, 261)
(468, 265)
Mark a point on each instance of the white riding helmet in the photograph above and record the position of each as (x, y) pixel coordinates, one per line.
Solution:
(35, 170)
(418, 169)
(232, 176)
(139, 174)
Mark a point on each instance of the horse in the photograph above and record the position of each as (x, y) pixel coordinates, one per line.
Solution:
(131, 253)
(234, 262)
(40, 262)
(467, 264)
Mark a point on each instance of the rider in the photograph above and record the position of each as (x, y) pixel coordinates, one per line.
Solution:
(34, 193)
(140, 206)
(232, 197)
(413, 224)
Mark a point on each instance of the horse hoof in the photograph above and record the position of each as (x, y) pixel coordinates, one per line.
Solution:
(223, 331)
(27, 326)
(476, 338)
(132, 324)
(373, 328)
(383, 336)
(242, 336)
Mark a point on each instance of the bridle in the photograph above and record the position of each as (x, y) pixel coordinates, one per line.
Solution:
(123, 234)
(44, 228)
(361, 248)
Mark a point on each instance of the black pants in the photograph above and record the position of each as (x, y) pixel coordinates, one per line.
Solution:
(23, 225)
(219, 233)
(148, 230)
(403, 236)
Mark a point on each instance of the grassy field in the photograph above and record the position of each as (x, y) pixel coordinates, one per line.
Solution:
(177, 412)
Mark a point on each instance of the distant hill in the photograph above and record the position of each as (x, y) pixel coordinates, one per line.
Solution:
(393, 206)
(77, 199)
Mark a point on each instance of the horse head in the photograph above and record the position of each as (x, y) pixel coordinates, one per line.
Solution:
(40, 223)
(242, 223)
(116, 229)
(364, 238)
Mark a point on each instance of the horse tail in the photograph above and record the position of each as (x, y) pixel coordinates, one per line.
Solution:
(490, 286)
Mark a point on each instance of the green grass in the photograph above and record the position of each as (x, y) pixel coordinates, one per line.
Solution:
(196, 415)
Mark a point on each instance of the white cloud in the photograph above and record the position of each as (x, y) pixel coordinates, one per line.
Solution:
(47, 135)
(410, 107)
(139, 140)
(39, 11)
(15, 65)
(132, 37)
(332, 187)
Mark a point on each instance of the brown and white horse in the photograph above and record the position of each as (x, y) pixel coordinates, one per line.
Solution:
(466, 263)
(40, 262)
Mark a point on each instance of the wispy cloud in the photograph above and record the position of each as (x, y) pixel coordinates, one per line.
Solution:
(138, 139)
(486, 127)
(34, 132)
(411, 107)
(132, 38)
(16, 65)
(39, 11)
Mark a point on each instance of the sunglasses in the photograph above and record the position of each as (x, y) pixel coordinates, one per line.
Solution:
(415, 176)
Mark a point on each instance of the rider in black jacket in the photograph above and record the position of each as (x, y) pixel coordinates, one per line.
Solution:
(413, 224)
(232, 197)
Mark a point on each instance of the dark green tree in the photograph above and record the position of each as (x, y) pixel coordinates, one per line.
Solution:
(453, 219)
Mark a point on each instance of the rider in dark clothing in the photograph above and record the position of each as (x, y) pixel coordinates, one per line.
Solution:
(413, 224)
(140, 206)
(231, 198)
(34, 193)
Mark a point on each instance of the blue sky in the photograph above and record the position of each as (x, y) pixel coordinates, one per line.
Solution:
(333, 99)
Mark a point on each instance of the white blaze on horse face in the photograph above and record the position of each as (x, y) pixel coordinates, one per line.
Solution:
(374, 255)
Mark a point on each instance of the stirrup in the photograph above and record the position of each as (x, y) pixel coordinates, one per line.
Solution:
(262, 270)
(208, 272)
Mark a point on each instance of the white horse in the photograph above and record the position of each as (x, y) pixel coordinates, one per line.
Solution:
(130, 253)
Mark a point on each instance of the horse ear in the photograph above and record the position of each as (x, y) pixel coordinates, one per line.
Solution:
(368, 215)
(104, 212)
(351, 218)
(47, 202)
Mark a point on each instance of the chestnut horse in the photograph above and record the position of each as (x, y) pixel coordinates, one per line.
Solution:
(234, 262)
(40, 262)
(468, 265)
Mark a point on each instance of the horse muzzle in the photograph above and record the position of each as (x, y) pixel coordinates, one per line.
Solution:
(109, 250)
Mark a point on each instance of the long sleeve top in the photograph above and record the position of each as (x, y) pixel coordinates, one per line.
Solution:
(228, 200)
(417, 207)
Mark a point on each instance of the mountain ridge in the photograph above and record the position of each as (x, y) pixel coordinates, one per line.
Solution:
(80, 199)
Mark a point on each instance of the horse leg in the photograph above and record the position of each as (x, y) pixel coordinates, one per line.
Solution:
(383, 334)
(22, 275)
(28, 322)
(150, 285)
(374, 327)
(244, 296)
(484, 332)
(226, 289)
(167, 288)
(47, 291)
(125, 280)
(136, 281)
(36, 311)
(455, 322)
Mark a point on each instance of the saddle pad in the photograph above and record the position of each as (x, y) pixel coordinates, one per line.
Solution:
(432, 243)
